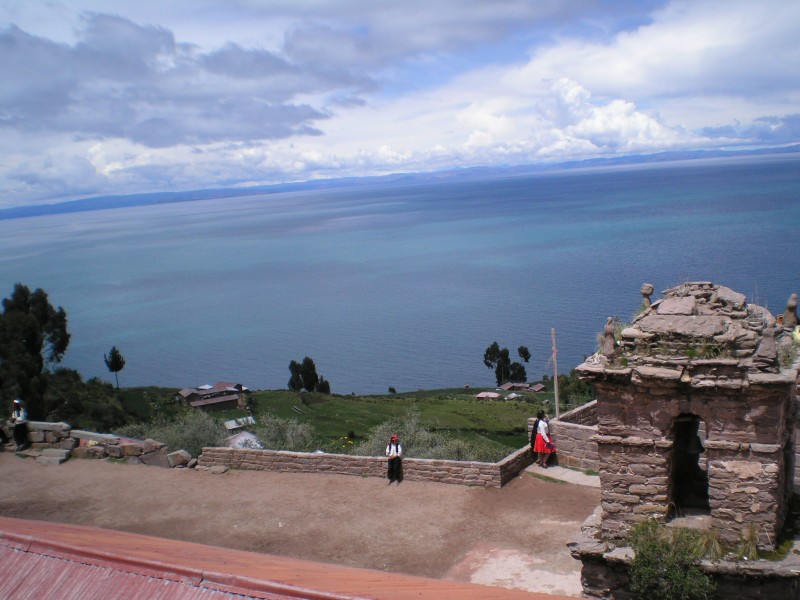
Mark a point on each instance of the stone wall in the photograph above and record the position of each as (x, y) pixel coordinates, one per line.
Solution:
(583, 415)
(750, 460)
(54, 443)
(414, 469)
(574, 433)
(605, 571)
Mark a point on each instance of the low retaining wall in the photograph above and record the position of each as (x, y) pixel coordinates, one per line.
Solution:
(574, 432)
(78, 443)
(87, 444)
(456, 472)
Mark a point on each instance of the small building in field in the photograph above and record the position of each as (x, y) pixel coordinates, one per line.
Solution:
(488, 396)
(235, 425)
(222, 395)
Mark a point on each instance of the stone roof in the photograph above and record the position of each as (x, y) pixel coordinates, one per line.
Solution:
(697, 330)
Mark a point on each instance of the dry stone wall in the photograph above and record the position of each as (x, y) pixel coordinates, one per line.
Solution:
(45, 438)
(87, 444)
(574, 433)
(468, 473)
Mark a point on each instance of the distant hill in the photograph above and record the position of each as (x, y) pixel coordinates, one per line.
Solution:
(466, 174)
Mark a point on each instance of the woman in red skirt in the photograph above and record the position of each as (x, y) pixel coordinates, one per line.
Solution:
(543, 445)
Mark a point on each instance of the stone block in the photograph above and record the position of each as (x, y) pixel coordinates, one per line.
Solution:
(56, 452)
(155, 459)
(131, 449)
(91, 436)
(178, 458)
(114, 451)
(80, 452)
(50, 460)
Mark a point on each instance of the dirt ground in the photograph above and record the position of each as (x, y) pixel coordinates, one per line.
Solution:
(510, 537)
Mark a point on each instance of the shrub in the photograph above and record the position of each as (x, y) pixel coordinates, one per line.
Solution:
(664, 566)
(419, 442)
(191, 431)
(285, 434)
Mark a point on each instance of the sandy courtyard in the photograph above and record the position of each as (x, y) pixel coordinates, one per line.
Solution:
(511, 537)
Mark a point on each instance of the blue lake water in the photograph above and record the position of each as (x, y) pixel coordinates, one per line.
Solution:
(402, 285)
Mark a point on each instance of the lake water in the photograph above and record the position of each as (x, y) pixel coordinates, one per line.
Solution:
(402, 285)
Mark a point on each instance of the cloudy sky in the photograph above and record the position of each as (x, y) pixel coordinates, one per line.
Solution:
(120, 96)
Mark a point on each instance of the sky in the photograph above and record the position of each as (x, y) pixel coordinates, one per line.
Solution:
(106, 97)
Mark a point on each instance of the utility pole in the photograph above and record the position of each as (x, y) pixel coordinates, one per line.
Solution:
(555, 369)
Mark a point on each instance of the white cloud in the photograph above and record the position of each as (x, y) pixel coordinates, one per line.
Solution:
(199, 93)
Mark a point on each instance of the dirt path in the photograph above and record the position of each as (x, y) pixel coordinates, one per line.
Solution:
(512, 537)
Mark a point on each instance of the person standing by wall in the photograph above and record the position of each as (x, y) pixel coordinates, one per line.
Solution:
(395, 465)
(19, 419)
(543, 446)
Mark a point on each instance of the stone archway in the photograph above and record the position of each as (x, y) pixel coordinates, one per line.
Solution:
(689, 470)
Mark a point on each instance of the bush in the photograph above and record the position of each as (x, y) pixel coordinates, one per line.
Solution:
(664, 566)
(191, 430)
(285, 434)
(419, 442)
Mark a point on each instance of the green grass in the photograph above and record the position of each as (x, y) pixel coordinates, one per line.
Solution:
(452, 411)
(456, 412)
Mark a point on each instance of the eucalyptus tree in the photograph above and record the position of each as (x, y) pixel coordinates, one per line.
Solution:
(499, 359)
(33, 338)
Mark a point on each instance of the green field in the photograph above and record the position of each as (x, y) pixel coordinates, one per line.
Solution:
(457, 412)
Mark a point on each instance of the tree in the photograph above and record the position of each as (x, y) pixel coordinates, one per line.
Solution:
(115, 362)
(88, 405)
(499, 359)
(524, 353)
(304, 377)
(33, 336)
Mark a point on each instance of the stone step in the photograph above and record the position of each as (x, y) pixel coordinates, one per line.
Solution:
(50, 460)
(56, 453)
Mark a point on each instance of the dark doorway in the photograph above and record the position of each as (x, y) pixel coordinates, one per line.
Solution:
(689, 478)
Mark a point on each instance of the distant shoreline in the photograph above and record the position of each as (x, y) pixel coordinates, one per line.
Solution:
(474, 173)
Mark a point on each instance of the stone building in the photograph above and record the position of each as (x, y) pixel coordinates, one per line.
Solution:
(695, 407)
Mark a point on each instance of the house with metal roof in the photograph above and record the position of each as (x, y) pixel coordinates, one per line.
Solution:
(222, 395)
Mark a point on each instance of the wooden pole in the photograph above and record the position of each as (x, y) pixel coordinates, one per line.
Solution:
(555, 370)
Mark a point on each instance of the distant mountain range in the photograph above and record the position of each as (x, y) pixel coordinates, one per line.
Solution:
(466, 174)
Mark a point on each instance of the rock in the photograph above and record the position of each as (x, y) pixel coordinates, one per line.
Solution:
(192, 463)
(790, 316)
(68, 443)
(151, 446)
(677, 306)
(178, 458)
(218, 469)
(91, 436)
(131, 449)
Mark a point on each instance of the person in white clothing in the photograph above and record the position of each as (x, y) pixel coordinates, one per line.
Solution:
(19, 419)
(543, 444)
(394, 451)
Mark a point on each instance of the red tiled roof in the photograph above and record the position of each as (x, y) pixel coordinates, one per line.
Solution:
(53, 560)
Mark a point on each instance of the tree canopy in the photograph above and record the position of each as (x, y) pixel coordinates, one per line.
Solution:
(304, 377)
(115, 362)
(499, 359)
(33, 336)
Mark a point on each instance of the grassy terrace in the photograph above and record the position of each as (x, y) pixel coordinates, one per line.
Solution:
(501, 423)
